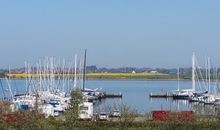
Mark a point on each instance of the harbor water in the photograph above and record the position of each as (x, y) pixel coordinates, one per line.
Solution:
(135, 94)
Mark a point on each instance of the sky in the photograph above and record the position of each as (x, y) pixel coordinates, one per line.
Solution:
(116, 33)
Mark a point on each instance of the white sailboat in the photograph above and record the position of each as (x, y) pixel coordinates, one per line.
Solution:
(186, 93)
(209, 96)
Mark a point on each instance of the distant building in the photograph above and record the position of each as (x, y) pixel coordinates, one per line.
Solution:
(154, 72)
(133, 72)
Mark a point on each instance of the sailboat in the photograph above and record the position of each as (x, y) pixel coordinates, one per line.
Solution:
(186, 93)
(90, 94)
(213, 96)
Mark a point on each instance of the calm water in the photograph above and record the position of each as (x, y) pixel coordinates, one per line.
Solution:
(135, 94)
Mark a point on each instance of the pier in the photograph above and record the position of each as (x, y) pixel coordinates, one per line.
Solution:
(160, 95)
(112, 95)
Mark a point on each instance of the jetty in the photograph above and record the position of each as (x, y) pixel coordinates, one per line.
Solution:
(112, 95)
(160, 95)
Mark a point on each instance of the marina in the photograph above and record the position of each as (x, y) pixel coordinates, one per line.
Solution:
(52, 91)
(118, 65)
(203, 91)
(141, 101)
(54, 88)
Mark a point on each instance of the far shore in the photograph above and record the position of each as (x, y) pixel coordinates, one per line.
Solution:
(117, 79)
(108, 76)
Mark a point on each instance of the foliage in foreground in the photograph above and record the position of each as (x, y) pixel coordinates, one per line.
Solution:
(53, 124)
(69, 121)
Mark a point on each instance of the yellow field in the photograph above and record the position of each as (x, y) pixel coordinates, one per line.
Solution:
(101, 75)
(124, 74)
(23, 75)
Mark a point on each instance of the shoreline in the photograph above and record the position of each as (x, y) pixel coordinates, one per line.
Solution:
(117, 79)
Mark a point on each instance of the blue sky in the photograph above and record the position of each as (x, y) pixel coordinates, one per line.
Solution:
(143, 33)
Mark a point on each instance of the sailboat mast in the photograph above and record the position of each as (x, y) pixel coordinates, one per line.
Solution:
(9, 83)
(209, 75)
(84, 71)
(193, 72)
(75, 71)
(178, 78)
(206, 71)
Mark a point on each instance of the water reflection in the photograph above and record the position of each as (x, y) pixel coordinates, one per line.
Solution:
(107, 105)
(202, 109)
(177, 105)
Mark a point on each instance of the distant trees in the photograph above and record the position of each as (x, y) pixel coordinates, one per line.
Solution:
(2, 75)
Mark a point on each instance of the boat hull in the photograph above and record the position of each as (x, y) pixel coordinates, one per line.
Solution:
(181, 97)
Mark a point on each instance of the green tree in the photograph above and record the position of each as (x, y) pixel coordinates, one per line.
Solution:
(73, 113)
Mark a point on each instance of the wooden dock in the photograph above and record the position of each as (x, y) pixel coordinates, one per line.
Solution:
(160, 95)
(112, 95)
